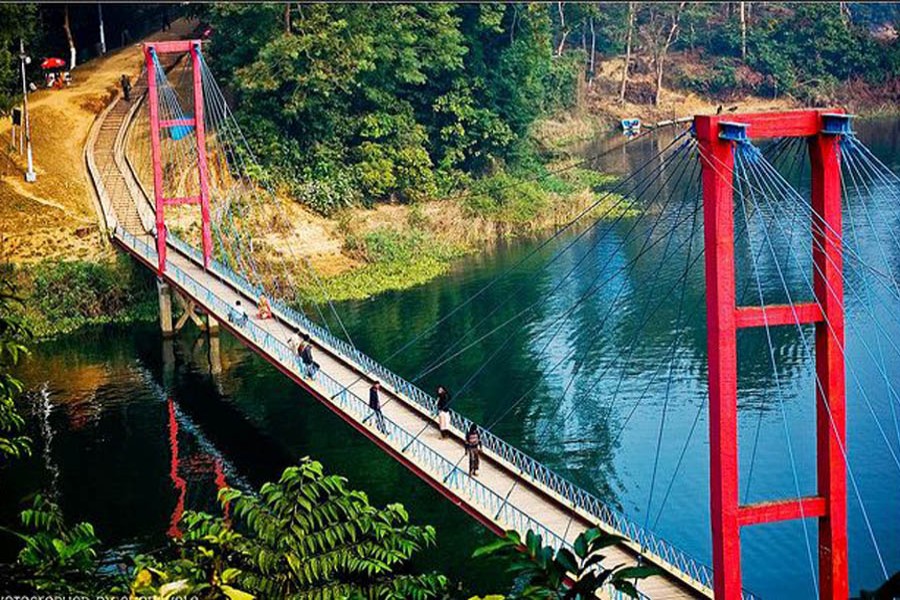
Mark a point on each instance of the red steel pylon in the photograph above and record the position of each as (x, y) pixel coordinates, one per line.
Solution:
(718, 137)
(152, 51)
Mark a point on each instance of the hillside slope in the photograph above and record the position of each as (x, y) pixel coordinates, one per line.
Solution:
(55, 217)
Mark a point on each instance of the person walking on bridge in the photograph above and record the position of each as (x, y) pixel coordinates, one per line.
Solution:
(473, 449)
(375, 405)
(126, 87)
(294, 344)
(306, 356)
(443, 410)
(238, 315)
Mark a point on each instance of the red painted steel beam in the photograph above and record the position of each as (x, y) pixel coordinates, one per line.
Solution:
(181, 200)
(156, 160)
(824, 152)
(723, 320)
(172, 46)
(203, 169)
(717, 176)
(176, 123)
(781, 510)
(777, 314)
(192, 47)
(791, 123)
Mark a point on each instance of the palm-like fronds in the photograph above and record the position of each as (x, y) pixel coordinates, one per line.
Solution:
(308, 536)
(56, 557)
(576, 574)
(13, 335)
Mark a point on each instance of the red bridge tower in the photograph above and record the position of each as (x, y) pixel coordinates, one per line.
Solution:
(717, 138)
(151, 53)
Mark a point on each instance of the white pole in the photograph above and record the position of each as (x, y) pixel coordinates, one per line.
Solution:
(30, 175)
(102, 34)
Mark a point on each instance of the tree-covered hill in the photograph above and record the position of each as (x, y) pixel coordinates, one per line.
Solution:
(366, 102)
(363, 101)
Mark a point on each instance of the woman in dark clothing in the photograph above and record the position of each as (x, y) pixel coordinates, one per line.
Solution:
(306, 356)
(443, 407)
(375, 405)
(473, 449)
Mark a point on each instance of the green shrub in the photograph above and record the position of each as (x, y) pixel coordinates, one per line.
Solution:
(560, 82)
(396, 260)
(66, 295)
(506, 198)
(327, 195)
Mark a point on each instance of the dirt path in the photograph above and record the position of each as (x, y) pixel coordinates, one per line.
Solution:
(54, 217)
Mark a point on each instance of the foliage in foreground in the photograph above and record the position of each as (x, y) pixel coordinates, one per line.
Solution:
(57, 558)
(67, 295)
(577, 574)
(306, 536)
(13, 335)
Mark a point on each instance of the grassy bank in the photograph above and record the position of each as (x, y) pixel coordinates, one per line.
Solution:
(64, 296)
(411, 244)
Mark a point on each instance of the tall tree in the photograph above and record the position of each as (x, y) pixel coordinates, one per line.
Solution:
(69, 38)
(563, 29)
(593, 53)
(659, 32)
(19, 22)
(744, 17)
(629, 32)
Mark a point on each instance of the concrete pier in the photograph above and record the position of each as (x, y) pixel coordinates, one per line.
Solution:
(164, 292)
(168, 363)
(212, 325)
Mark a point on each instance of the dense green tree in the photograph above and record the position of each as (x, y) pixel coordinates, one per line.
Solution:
(385, 101)
(306, 536)
(19, 22)
(578, 574)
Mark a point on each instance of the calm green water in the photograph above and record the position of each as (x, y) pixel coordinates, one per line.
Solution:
(587, 395)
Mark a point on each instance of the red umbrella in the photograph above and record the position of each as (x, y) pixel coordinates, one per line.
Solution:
(53, 63)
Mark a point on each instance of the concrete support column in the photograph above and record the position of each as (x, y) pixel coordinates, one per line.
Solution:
(165, 308)
(212, 325)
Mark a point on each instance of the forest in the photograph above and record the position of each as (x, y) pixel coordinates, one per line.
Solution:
(352, 102)
(358, 103)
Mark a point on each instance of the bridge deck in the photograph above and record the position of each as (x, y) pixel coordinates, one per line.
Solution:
(511, 492)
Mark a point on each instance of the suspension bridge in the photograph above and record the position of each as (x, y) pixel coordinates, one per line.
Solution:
(178, 148)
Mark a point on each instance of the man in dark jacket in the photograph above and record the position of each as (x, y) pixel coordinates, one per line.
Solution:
(126, 87)
(375, 405)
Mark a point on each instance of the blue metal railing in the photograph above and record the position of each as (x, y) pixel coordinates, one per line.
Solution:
(525, 464)
(439, 466)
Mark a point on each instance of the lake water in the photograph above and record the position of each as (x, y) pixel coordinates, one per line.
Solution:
(128, 428)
